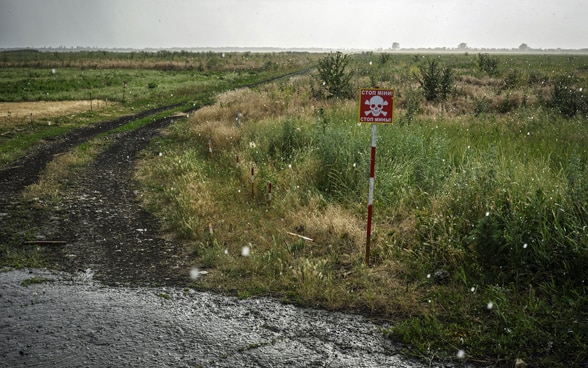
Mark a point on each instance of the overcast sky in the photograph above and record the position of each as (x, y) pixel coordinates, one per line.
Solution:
(343, 24)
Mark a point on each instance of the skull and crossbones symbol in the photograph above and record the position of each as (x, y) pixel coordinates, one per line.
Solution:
(376, 104)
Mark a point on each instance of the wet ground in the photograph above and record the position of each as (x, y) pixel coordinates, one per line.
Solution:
(73, 321)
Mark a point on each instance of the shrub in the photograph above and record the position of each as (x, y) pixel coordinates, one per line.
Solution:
(488, 64)
(567, 98)
(333, 76)
(513, 79)
(481, 105)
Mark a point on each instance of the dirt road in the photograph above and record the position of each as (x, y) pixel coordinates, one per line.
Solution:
(72, 321)
(120, 298)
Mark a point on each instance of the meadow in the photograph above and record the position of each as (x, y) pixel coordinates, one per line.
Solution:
(38, 89)
(479, 241)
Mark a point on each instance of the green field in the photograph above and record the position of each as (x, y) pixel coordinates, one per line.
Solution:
(480, 239)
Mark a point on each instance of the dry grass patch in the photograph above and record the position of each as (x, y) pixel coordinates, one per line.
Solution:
(17, 113)
(329, 224)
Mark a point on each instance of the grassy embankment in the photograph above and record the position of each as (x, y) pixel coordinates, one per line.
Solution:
(481, 209)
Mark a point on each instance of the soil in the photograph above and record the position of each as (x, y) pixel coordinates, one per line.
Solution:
(117, 294)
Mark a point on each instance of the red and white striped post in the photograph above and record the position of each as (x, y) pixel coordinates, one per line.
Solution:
(269, 192)
(252, 182)
(371, 196)
(376, 106)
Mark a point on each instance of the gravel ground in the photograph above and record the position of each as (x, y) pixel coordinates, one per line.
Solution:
(72, 321)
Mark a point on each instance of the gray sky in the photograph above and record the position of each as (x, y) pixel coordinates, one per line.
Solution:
(346, 24)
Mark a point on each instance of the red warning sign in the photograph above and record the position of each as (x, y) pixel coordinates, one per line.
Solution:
(376, 106)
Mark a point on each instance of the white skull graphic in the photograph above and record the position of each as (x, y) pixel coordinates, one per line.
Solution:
(376, 104)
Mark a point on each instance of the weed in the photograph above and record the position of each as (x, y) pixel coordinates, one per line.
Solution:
(34, 280)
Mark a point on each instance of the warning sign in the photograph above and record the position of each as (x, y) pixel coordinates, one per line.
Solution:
(376, 106)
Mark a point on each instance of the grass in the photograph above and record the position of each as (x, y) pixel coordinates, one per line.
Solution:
(479, 243)
(34, 280)
(480, 210)
(125, 82)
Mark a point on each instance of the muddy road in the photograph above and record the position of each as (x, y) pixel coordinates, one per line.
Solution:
(71, 321)
(117, 294)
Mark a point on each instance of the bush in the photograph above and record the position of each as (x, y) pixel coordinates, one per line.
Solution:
(488, 64)
(513, 79)
(333, 76)
(567, 98)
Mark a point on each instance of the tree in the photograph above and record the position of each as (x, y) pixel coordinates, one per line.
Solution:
(335, 79)
(435, 80)
(395, 46)
(462, 46)
(524, 47)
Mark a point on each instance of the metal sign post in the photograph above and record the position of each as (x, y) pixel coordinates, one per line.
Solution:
(371, 196)
(376, 106)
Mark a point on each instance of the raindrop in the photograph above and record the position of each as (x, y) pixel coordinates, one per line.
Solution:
(525, 246)
(487, 214)
(473, 289)
(461, 354)
(194, 273)
(245, 251)
(428, 275)
(490, 305)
